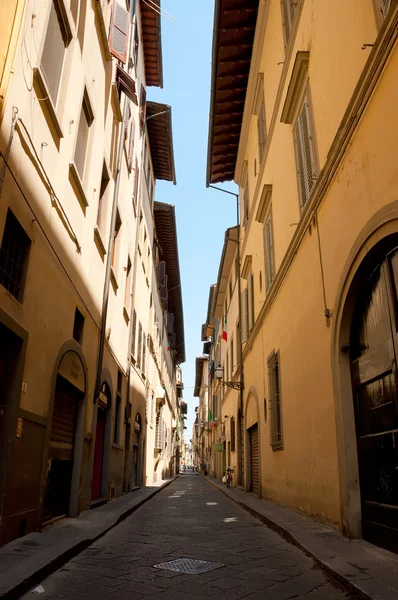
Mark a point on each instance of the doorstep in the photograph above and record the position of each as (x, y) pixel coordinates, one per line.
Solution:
(365, 568)
(26, 561)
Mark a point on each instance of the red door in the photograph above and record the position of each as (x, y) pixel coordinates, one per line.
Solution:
(98, 456)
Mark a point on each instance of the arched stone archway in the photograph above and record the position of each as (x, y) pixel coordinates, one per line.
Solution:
(369, 252)
(65, 433)
(102, 438)
(252, 443)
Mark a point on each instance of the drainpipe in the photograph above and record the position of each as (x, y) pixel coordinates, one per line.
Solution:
(105, 297)
(241, 378)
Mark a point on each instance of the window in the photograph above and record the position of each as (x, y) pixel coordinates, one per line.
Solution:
(245, 314)
(116, 431)
(135, 192)
(78, 326)
(133, 332)
(139, 349)
(142, 106)
(238, 347)
(127, 293)
(119, 32)
(85, 121)
(57, 39)
(276, 434)
(236, 269)
(250, 302)
(289, 8)
(245, 199)
(143, 353)
(231, 353)
(14, 256)
(136, 44)
(261, 131)
(230, 289)
(101, 213)
(382, 8)
(305, 151)
(226, 372)
(233, 434)
(216, 403)
(116, 240)
(269, 251)
(130, 151)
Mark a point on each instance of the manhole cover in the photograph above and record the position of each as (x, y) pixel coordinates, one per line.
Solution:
(192, 566)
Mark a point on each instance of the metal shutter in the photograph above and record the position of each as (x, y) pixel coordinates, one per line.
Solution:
(63, 421)
(254, 460)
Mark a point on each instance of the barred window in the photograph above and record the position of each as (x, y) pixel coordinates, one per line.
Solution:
(305, 151)
(14, 256)
(276, 433)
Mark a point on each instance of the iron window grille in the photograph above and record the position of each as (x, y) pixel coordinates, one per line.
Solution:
(14, 256)
(276, 432)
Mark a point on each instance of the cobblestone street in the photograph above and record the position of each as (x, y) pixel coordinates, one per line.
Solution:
(191, 519)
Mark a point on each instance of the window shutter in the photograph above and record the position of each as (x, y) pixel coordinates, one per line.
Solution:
(133, 332)
(305, 155)
(244, 315)
(139, 350)
(261, 130)
(269, 252)
(250, 308)
(131, 145)
(136, 177)
(142, 106)
(276, 440)
(385, 6)
(143, 352)
(288, 14)
(119, 32)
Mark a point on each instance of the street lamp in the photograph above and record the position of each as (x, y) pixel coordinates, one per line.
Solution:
(235, 385)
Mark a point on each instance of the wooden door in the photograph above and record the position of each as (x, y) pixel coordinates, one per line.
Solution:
(61, 450)
(126, 477)
(254, 460)
(373, 353)
(98, 455)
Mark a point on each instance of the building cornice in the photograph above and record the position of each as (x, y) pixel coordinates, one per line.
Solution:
(363, 92)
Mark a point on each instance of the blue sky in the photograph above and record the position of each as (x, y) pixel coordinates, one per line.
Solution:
(202, 214)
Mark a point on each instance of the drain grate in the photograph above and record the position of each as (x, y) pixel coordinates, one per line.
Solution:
(192, 566)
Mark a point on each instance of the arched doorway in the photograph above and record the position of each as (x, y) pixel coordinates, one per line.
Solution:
(253, 462)
(103, 408)
(70, 388)
(373, 353)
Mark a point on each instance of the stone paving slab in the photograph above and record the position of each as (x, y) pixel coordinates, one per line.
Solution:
(366, 568)
(27, 560)
(192, 520)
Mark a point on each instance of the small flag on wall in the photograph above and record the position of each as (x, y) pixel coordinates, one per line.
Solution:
(224, 330)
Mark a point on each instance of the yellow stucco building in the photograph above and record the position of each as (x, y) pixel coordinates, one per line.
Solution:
(307, 128)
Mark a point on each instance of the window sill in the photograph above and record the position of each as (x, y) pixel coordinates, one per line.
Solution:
(276, 448)
(117, 446)
(102, 27)
(116, 103)
(114, 282)
(77, 184)
(99, 241)
(45, 100)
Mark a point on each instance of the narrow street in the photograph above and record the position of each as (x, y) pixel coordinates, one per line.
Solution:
(190, 519)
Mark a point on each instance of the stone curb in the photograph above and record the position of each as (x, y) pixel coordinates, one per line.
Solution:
(371, 589)
(67, 549)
